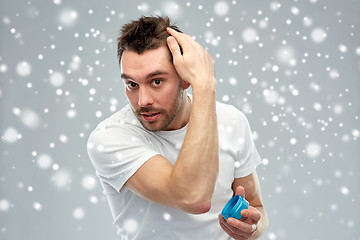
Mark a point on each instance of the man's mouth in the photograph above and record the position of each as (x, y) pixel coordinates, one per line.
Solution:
(150, 117)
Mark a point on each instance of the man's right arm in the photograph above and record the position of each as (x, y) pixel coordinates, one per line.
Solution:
(189, 184)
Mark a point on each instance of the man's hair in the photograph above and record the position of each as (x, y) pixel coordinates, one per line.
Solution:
(144, 34)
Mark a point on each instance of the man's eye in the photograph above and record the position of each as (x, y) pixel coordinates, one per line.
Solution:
(131, 85)
(157, 82)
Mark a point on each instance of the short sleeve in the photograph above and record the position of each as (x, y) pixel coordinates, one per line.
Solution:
(117, 151)
(248, 157)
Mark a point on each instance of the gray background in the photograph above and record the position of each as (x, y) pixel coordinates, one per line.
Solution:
(292, 67)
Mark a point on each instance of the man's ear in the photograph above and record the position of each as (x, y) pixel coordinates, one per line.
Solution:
(185, 85)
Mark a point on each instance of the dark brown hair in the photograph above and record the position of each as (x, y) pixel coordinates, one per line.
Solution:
(144, 34)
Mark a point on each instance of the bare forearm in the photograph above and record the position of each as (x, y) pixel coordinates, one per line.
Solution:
(196, 169)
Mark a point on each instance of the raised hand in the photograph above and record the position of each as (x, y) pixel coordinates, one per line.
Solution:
(194, 65)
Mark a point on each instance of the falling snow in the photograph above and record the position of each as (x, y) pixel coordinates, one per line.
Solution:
(4, 205)
(167, 216)
(318, 35)
(61, 179)
(291, 67)
(37, 206)
(249, 35)
(57, 79)
(130, 225)
(30, 118)
(221, 8)
(313, 149)
(68, 17)
(23, 69)
(89, 182)
(44, 161)
(10, 135)
(78, 213)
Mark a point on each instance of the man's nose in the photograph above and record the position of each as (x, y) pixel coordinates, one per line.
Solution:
(145, 97)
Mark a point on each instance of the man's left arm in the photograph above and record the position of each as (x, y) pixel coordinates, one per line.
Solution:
(254, 221)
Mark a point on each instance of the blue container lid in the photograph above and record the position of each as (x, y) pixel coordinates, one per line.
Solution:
(234, 206)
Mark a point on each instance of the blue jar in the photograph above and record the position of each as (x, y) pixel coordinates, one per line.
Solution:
(234, 206)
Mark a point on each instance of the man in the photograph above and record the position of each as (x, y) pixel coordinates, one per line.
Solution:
(169, 161)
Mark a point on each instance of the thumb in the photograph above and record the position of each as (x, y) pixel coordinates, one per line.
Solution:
(174, 48)
(240, 190)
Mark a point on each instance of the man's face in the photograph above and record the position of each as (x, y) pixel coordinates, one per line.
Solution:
(153, 87)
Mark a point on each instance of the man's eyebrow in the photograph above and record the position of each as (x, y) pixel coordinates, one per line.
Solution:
(124, 76)
(155, 73)
(150, 75)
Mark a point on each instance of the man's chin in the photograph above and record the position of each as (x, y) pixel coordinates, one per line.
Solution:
(152, 127)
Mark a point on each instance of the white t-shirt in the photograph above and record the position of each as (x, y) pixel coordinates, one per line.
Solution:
(120, 145)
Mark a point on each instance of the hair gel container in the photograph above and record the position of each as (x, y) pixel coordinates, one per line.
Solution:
(234, 206)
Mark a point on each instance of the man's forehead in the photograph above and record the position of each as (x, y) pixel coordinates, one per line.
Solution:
(153, 60)
(160, 52)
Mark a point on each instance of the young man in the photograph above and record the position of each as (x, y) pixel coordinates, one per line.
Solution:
(169, 161)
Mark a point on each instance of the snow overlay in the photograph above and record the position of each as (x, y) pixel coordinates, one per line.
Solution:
(293, 67)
